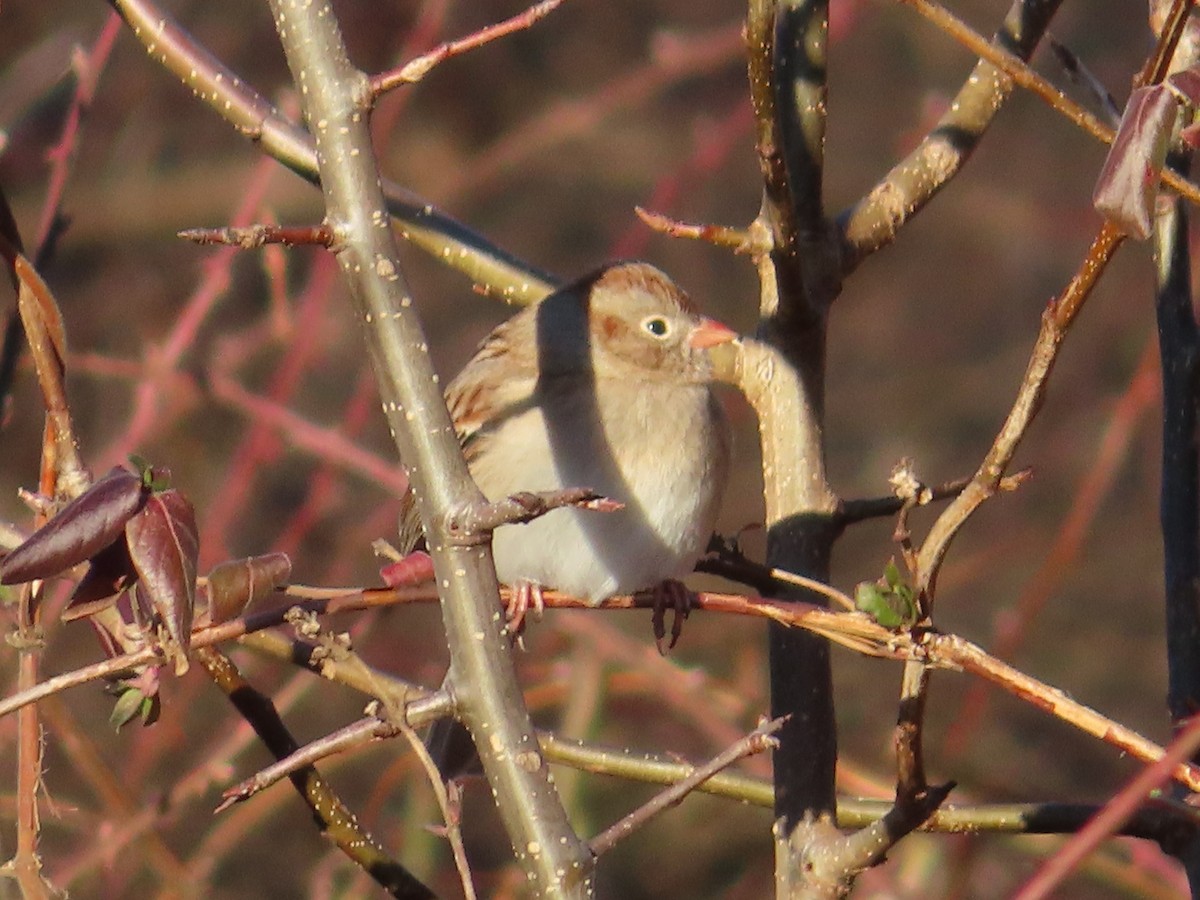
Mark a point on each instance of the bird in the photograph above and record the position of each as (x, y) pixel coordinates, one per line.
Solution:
(606, 384)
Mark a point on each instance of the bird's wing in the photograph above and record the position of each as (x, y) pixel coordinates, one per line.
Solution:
(496, 384)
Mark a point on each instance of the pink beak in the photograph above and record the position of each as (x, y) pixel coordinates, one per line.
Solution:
(710, 333)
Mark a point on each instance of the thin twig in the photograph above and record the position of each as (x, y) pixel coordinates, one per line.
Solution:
(231, 97)
(88, 67)
(331, 814)
(1169, 34)
(853, 511)
(450, 808)
(729, 562)
(362, 732)
(111, 789)
(954, 651)
(326, 442)
(1111, 816)
(1056, 321)
(250, 237)
(416, 69)
(1156, 822)
(739, 240)
(26, 862)
(349, 737)
(855, 631)
(482, 518)
(756, 742)
(1021, 74)
(1011, 625)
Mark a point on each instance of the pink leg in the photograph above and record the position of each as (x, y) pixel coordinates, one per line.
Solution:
(671, 595)
(522, 596)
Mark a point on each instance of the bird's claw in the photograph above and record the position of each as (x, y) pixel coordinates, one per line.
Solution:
(674, 596)
(523, 596)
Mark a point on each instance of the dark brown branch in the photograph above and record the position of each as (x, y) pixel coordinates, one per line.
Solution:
(800, 275)
(357, 734)
(1079, 73)
(799, 74)
(1179, 506)
(330, 813)
(1179, 343)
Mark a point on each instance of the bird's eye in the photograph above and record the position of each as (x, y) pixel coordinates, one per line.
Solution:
(657, 326)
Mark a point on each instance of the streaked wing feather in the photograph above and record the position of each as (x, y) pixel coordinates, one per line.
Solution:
(497, 383)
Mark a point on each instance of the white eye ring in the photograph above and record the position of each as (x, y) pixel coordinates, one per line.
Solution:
(657, 326)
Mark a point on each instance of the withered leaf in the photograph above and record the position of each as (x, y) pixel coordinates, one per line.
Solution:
(234, 585)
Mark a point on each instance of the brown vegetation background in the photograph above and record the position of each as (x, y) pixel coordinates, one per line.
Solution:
(545, 142)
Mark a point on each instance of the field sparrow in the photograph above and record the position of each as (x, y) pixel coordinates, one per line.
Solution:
(605, 384)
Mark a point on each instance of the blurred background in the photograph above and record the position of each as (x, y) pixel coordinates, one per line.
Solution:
(243, 372)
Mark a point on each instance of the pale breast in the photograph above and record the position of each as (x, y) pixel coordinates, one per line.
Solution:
(660, 449)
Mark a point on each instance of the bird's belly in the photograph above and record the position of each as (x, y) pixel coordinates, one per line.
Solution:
(670, 502)
(592, 554)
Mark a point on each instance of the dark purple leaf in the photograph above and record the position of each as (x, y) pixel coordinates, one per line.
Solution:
(1128, 183)
(83, 528)
(164, 545)
(234, 585)
(110, 573)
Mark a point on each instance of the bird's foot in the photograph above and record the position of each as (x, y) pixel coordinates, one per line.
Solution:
(669, 594)
(522, 597)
